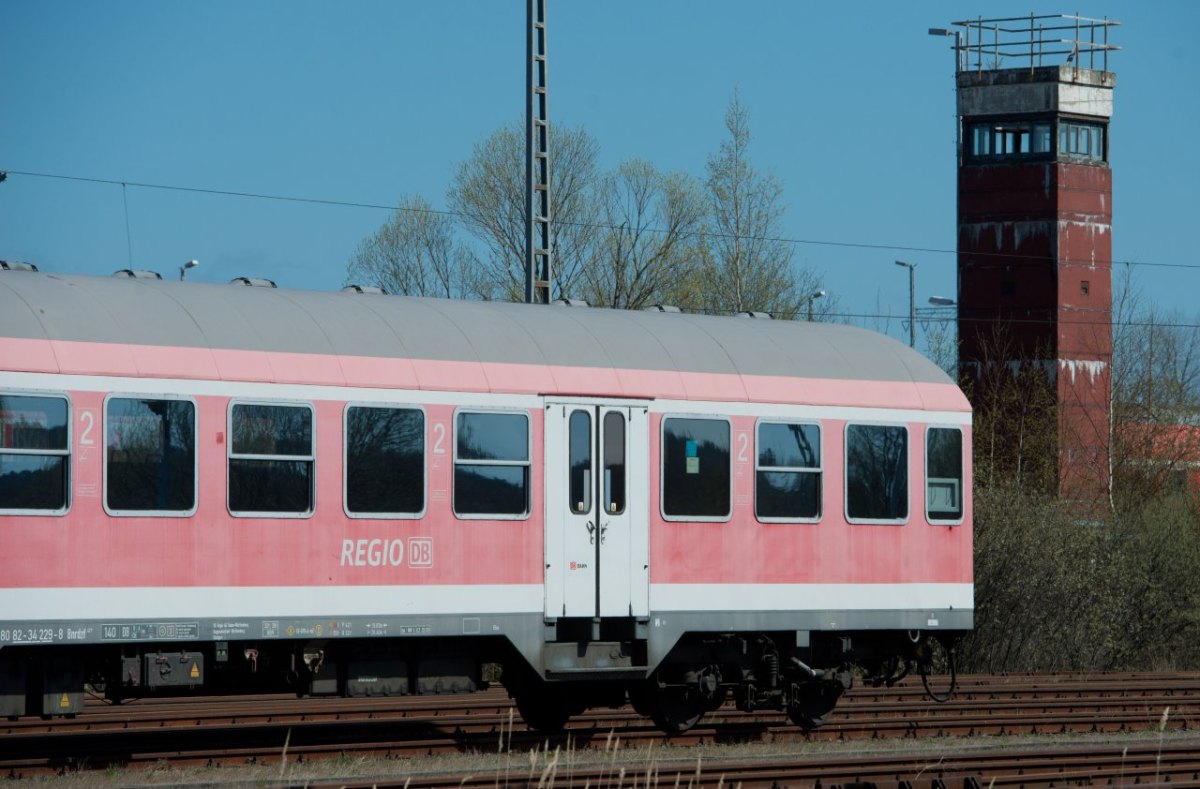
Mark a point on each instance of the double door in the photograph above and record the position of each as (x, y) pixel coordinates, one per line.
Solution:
(597, 529)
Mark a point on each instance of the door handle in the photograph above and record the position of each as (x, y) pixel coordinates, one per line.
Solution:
(591, 527)
(603, 531)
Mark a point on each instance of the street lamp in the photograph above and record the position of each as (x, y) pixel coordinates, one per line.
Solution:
(183, 270)
(817, 294)
(941, 301)
(958, 55)
(912, 302)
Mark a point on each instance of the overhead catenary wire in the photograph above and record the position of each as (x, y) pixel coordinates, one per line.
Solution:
(227, 192)
(1007, 257)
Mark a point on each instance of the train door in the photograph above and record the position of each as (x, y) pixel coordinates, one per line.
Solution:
(597, 510)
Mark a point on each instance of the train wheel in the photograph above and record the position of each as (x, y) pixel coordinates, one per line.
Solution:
(641, 698)
(543, 710)
(812, 703)
(676, 709)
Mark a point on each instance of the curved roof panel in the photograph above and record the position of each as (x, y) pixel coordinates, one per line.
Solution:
(353, 326)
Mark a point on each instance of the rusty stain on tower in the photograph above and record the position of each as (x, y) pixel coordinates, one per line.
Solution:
(1035, 98)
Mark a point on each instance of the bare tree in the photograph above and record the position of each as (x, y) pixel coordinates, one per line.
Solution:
(1015, 427)
(413, 254)
(488, 194)
(1155, 398)
(652, 224)
(941, 340)
(747, 265)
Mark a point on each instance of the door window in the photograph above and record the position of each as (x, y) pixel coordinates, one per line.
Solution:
(614, 463)
(580, 440)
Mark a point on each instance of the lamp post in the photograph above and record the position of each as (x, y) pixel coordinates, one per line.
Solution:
(817, 294)
(958, 53)
(183, 270)
(912, 302)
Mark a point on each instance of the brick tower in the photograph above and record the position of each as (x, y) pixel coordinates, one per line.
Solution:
(1035, 227)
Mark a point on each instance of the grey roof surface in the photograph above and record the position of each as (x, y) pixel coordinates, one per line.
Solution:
(167, 313)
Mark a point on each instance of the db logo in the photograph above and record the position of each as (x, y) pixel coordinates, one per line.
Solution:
(420, 552)
(573, 565)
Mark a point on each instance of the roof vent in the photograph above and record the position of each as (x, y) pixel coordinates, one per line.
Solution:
(13, 265)
(661, 308)
(752, 314)
(254, 282)
(571, 303)
(365, 289)
(137, 273)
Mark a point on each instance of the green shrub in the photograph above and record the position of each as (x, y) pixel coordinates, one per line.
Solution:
(1056, 593)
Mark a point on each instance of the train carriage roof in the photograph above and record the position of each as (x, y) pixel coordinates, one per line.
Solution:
(143, 312)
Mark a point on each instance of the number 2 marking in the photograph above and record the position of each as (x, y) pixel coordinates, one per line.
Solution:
(439, 436)
(89, 421)
(743, 445)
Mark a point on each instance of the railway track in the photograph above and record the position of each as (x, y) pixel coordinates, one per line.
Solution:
(273, 729)
(1146, 765)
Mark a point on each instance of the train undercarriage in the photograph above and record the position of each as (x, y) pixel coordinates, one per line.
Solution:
(755, 670)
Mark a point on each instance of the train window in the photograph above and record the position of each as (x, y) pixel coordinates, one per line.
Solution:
(876, 473)
(34, 453)
(149, 456)
(614, 463)
(491, 464)
(270, 459)
(787, 478)
(385, 461)
(944, 474)
(580, 439)
(696, 469)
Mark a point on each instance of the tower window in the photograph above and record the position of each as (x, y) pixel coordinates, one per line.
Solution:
(1009, 139)
(1084, 287)
(1081, 140)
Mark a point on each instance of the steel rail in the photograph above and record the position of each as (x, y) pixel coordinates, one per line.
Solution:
(232, 732)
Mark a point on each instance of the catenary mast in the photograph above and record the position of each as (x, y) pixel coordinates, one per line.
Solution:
(537, 160)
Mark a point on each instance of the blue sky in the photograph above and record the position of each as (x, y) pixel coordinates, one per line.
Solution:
(851, 107)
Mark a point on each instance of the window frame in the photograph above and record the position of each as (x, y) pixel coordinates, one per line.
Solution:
(528, 463)
(311, 458)
(590, 477)
(962, 482)
(819, 470)
(1028, 126)
(662, 469)
(603, 467)
(846, 474)
(68, 453)
(195, 458)
(1081, 128)
(403, 516)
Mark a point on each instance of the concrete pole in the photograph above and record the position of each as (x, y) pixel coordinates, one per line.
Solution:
(912, 302)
